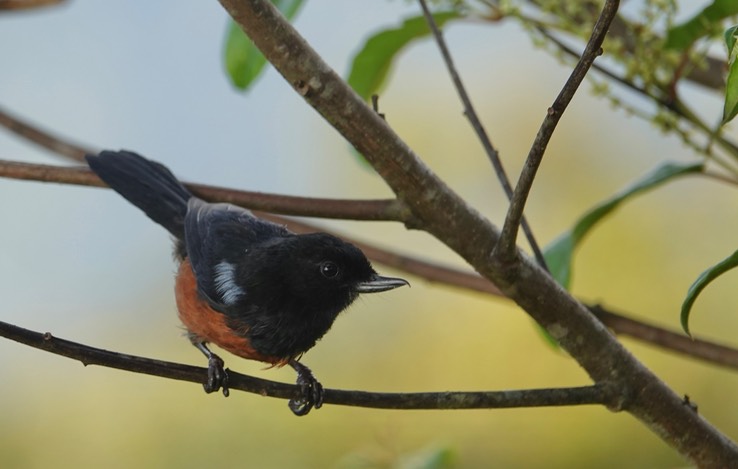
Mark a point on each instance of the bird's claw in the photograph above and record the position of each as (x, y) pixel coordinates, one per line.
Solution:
(217, 376)
(311, 391)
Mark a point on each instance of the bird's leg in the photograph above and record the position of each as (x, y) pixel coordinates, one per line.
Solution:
(311, 391)
(217, 376)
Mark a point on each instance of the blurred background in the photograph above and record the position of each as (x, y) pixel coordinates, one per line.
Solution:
(86, 266)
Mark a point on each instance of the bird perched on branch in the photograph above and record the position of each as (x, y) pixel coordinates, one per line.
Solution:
(250, 286)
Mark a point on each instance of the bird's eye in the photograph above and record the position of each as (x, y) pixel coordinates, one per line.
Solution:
(329, 269)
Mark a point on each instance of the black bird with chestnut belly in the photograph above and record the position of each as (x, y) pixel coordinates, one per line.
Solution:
(248, 285)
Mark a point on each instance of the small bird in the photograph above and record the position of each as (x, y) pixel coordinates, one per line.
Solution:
(248, 285)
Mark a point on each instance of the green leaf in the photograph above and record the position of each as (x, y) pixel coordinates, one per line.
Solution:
(244, 62)
(373, 62)
(702, 281)
(682, 36)
(730, 36)
(560, 252)
(730, 108)
(429, 458)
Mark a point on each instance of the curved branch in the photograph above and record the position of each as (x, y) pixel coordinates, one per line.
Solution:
(506, 249)
(424, 400)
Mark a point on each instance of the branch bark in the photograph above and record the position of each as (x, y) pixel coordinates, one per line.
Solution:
(472, 236)
(87, 355)
(375, 210)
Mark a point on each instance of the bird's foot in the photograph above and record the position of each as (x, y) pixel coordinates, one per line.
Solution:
(311, 391)
(217, 375)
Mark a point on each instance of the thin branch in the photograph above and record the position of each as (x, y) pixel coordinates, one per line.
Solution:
(375, 210)
(27, 4)
(43, 138)
(707, 351)
(711, 75)
(506, 251)
(471, 114)
(583, 395)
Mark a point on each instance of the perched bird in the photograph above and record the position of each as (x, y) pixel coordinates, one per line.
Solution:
(250, 286)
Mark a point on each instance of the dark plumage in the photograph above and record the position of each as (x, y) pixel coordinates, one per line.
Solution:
(246, 284)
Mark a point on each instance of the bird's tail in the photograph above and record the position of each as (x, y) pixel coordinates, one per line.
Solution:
(147, 184)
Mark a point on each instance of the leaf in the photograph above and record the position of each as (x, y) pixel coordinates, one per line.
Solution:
(430, 458)
(373, 62)
(702, 281)
(560, 252)
(730, 108)
(682, 36)
(244, 62)
(730, 36)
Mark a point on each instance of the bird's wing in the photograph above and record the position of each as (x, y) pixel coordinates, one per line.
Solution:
(217, 240)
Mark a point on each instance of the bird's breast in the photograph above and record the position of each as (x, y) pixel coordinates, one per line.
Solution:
(208, 324)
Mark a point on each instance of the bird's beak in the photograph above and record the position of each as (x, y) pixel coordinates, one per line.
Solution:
(378, 283)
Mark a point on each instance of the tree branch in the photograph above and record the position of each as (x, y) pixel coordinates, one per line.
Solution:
(425, 400)
(43, 138)
(472, 236)
(506, 249)
(492, 153)
(375, 210)
(704, 350)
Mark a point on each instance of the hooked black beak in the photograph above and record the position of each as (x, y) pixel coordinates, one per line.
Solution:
(378, 284)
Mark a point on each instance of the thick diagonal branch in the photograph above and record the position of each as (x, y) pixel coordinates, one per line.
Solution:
(445, 215)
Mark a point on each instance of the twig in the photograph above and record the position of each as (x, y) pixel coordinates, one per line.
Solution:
(669, 104)
(709, 352)
(375, 210)
(43, 138)
(505, 251)
(425, 400)
(711, 75)
(471, 114)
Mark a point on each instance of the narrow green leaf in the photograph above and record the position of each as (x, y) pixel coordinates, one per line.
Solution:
(429, 458)
(730, 108)
(730, 36)
(373, 62)
(560, 252)
(682, 36)
(702, 281)
(244, 62)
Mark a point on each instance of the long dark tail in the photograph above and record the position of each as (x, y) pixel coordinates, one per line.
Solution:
(147, 184)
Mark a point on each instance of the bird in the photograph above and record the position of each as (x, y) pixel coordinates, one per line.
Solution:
(245, 284)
